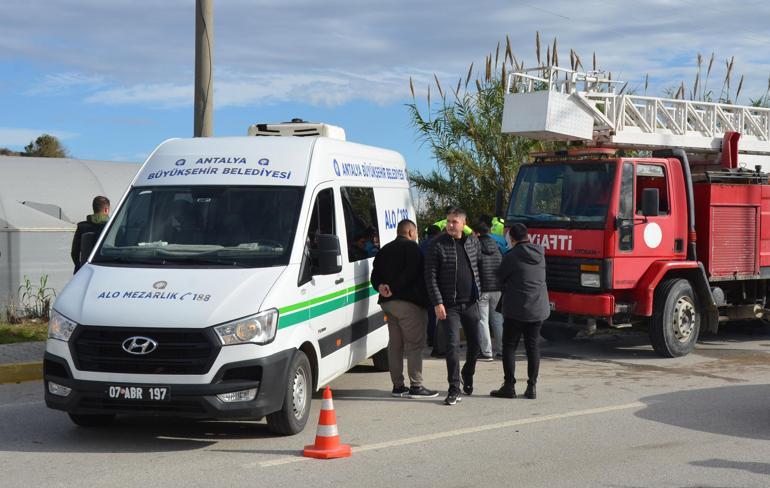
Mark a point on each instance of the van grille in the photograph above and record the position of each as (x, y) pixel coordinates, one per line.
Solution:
(179, 351)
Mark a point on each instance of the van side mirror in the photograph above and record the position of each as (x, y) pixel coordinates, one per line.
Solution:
(328, 256)
(87, 242)
(650, 202)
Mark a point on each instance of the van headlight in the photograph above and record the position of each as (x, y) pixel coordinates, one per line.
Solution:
(257, 329)
(60, 327)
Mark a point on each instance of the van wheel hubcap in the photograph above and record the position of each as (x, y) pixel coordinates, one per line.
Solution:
(299, 393)
(684, 319)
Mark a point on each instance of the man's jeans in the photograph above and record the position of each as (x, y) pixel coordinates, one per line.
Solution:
(488, 318)
(465, 316)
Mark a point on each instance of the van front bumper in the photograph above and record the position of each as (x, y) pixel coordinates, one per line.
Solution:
(267, 375)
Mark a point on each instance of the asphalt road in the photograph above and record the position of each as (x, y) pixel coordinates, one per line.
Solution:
(609, 413)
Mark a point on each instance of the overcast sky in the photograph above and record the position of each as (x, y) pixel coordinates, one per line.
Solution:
(113, 78)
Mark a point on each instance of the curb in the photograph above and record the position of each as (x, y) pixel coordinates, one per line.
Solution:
(16, 373)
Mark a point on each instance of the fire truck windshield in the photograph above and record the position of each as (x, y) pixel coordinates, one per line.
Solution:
(568, 195)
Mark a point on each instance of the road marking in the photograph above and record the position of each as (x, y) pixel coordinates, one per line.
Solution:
(459, 432)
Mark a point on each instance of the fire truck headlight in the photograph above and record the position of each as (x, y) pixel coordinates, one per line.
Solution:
(590, 280)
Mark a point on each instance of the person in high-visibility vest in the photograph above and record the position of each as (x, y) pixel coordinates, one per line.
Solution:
(498, 226)
(441, 224)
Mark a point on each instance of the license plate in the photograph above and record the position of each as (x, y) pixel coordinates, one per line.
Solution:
(138, 393)
(552, 305)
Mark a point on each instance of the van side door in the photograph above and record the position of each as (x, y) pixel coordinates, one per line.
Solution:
(327, 312)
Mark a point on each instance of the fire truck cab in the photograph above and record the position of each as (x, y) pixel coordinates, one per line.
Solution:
(673, 235)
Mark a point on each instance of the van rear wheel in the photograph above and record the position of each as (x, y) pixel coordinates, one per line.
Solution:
(291, 419)
(380, 360)
(675, 322)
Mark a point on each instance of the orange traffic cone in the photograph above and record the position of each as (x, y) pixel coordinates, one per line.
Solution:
(327, 439)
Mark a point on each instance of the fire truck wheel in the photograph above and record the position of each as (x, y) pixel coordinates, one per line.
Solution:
(675, 321)
(555, 332)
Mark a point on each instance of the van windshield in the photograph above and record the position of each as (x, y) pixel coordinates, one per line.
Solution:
(214, 226)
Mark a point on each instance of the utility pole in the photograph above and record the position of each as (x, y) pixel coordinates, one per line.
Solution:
(204, 68)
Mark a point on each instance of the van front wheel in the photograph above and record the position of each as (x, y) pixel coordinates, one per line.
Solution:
(291, 419)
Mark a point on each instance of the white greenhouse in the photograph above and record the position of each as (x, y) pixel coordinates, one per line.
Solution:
(41, 201)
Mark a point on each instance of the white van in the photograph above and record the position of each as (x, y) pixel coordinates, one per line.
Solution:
(231, 281)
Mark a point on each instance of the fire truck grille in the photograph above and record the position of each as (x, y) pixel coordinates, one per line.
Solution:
(178, 351)
(563, 274)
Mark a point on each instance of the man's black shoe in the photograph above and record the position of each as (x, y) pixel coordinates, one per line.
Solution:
(468, 385)
(505, 391)
(530, 392)
(452, 398)
(420, 392)
(436, 354)
(399, 391)
(484, 358)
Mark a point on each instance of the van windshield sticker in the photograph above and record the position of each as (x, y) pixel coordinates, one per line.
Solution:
(221, 165)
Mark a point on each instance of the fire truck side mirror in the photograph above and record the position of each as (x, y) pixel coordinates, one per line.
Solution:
(650, 202)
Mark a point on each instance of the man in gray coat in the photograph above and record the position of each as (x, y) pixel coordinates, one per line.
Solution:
(525, 307)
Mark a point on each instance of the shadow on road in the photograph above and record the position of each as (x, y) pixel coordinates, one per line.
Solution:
(751, 467)
(132, 435)
(738, 411)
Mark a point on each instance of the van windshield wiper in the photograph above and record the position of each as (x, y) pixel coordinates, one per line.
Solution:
(202, 261)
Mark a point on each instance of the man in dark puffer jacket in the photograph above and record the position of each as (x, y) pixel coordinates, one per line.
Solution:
(452, 281)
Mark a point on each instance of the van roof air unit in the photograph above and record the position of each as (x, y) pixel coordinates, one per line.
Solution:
(298, 128)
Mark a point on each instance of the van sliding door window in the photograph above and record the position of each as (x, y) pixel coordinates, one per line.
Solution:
(360, 222)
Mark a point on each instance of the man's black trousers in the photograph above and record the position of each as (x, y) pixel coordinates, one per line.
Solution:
(512, 332)
(465, 316)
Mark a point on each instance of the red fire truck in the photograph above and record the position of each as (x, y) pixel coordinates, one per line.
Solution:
(660, 219)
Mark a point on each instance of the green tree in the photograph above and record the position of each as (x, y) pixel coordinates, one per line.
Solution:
(4, 151)
(45, 146)
(463, 131)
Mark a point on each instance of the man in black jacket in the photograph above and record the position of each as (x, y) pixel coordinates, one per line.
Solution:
(452, 279)
(525, 307)
(396, 276)
(94, 223)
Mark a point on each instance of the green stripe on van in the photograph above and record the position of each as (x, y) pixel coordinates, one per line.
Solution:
(354, 294)
(313, 301)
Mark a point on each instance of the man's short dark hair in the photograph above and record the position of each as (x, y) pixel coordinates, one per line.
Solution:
(456, 211)
(518, 232)
(100, 203)
(433, 230)
(481, 227)
(487, 220)
(404, 226)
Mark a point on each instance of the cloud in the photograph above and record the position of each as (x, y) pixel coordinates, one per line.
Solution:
(14, 137)
(328, 53)
(61, 83)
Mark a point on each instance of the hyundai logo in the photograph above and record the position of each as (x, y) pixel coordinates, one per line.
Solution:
(139, 345)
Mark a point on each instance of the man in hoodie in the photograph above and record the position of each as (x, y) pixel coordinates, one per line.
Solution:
(452, 279)
(396, 275)
(94, 223)
(525, 307)
(490, 294)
